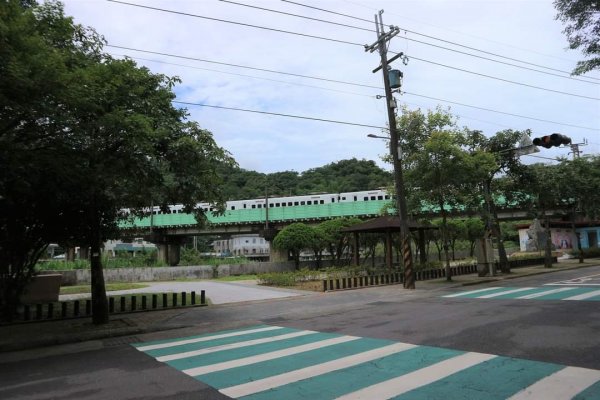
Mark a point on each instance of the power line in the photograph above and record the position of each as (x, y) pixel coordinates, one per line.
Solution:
(502, 79)
(439, 39)
(281, 115)
(235, 23)
(346, 83)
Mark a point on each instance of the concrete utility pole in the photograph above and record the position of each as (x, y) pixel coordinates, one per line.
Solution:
(380, 45)
(575, 149)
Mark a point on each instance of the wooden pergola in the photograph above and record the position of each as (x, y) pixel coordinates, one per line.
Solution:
(388, 225)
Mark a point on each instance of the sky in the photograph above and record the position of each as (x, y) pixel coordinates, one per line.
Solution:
(303, 66)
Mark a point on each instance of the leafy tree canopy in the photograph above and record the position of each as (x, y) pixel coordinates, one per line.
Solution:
(582, 20)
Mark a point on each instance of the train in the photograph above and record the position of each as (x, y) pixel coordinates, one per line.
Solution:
(286, 201)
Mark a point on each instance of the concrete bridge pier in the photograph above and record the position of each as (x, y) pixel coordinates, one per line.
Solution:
(168, 247)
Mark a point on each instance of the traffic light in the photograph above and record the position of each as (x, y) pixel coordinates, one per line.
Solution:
(556, 139)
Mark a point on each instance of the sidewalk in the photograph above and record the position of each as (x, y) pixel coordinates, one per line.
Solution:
(51, 333)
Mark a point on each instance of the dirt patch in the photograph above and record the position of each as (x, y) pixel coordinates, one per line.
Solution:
(315, 286)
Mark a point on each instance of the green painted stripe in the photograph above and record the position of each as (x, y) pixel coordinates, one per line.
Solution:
(242, 352)
(568, 293)
(218, 342)
(477, 295)
(515, 295)
(239, 375)
(591, 393)
(247, 328)
(498, 378)
(337, 383)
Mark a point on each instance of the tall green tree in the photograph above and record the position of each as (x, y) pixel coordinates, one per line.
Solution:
(582, 20)
(294, 238)
(108, 138)
(337, 241)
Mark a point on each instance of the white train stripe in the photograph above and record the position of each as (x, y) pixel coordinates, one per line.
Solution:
(193, 353)
(540, 294)
(416, 379)
(489, 296)
(584, 296)
(472, 292)
(563, 384)
(205, 338)
(260, 385)
(267, 356)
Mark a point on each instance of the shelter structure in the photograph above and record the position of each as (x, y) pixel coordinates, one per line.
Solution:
(388, 224)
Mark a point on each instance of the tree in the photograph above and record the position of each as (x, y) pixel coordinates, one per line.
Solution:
(475, 230)
(294, 238)
(457, 230)
(582, 20)
(337, 241)
(110, 139)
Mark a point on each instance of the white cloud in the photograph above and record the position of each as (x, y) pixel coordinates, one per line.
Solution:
(524, 30)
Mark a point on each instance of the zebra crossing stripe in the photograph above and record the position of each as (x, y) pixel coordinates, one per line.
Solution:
(544, 293)
(260, 385)
(186, 354)
(489, 296)
(472, 292)
(564, 384)
(266, 356)
(205, 338)
(584, 295)
(416, 379)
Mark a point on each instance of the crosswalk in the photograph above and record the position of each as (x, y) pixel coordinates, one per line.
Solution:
(536, 293)
(272, 362)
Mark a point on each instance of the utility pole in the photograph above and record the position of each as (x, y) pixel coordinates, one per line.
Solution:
(381, 45)
(575, 149)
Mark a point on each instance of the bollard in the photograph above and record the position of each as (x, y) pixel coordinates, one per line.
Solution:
(355, 281)
(193, 298)
(174, 300)
(144, 305)
(183, 298)
(154, 301)
(337, 284)
(88, 307)
(63, 310)
(122, 303)
(50, 313)
(133, 303)
(111, 305)
(343, 283)
(202, 297)
(38, 311)
(331, 284)
(164, 300)
(324, 285)
(76, 308)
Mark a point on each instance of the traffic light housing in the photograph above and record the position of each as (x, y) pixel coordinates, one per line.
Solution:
(554, 140)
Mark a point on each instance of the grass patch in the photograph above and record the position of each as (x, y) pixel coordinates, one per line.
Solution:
(109, 287)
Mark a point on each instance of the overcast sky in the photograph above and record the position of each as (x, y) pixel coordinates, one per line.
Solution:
(523, 30)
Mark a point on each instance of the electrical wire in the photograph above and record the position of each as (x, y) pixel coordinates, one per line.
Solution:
(235, 23)
(345, 83)
(281, 115)
(421, 42)
(436, 38)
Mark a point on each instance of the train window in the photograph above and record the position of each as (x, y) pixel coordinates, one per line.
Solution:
(302, 203)
(321, 201)
(232, 208)
(295, 203)
(277, 204)
(332, 200)
(283, 204)
(290, 203)
(244, 205)
(387, 196)
(309, 202)
(343, 197)
(366, 198)
(259, 206)
(379, 197)
(355, 198)
(373, 197)
(253, 205)
(271, 205)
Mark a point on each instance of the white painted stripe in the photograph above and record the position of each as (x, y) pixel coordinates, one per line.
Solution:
(471, 292)
(564, 384)
(260, 385)
(416, 379)
(267, 356)
(540, 294)
(186, 354)
(205, 338)
(584, 296)
(489, 296)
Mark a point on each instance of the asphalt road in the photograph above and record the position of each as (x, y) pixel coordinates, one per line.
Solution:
(538, 330)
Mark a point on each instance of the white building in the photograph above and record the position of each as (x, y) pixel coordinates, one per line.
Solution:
(251, 246)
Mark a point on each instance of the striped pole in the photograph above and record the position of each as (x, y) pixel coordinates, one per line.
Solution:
(409, 276)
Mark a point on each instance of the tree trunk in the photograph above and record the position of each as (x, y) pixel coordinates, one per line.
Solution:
(495, 225)
(445, 243)
(99, 301)
(548, 252)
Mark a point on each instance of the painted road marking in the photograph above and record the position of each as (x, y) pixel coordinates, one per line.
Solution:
(564, 384)
(505, 292)
(405, 383)
(584, 281)
(267, 356)
(310, 372)
(585, 296)
(331, 366)
(539, 293)
(544, 293)
(473, 292)
(205, 338)
(186, 354)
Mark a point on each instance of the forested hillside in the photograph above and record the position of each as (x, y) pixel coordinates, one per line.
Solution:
(342, 176)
